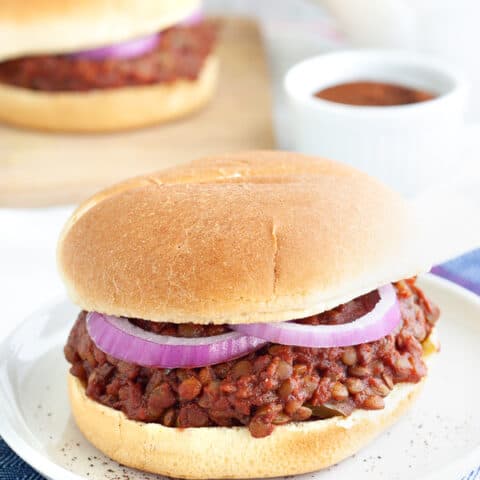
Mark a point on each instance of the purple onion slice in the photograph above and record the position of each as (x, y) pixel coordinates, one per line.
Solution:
(122, 340)
(128, 49)
(377, 323)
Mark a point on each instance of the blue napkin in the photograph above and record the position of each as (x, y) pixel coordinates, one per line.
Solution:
(464, 270)
(13, 467)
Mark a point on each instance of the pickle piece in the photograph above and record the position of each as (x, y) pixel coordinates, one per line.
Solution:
(327, 410)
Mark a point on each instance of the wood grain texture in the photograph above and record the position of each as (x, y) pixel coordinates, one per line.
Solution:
(40, 169)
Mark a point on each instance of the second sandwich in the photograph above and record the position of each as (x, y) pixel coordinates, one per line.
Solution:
(99, 65)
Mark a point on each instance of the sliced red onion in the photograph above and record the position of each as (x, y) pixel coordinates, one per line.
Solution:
(194, 19)
(121, 339)
(377, 323)
(128, 49)
(132, 48)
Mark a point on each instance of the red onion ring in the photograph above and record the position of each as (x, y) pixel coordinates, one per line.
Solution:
(377, 323)
(128, 49)
(194, 19)
(135, 47)
(122, 340)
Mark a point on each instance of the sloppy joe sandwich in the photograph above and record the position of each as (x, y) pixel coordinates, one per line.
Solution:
(100, 65)
(247, 315)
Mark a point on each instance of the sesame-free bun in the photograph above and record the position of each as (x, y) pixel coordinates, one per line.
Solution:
(231, 452)
(108, 109)
(247, 237)
(32, 27)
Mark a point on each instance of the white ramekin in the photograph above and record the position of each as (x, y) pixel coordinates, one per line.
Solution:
(410, 147)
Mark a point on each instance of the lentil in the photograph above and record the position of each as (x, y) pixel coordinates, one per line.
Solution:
(273, 386)
(180, 53)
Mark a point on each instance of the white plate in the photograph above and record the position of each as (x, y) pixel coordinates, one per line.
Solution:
(438, 439)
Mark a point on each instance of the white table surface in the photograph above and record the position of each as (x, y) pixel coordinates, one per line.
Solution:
(28, 275)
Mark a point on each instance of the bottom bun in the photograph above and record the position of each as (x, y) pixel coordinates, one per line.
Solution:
(109, 109)
(221, 452)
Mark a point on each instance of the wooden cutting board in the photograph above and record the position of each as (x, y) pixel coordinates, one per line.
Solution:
(40, 169)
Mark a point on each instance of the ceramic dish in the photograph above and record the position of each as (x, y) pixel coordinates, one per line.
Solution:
(386, 142)
(438, 439)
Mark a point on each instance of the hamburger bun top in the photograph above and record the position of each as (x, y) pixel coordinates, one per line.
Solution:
(248, 237)
(60, 26)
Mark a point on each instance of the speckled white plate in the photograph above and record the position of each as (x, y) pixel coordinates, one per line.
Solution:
(438, 439)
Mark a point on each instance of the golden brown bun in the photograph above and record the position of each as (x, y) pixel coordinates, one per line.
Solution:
(249, 237)
(110, 109)
(29, 27)
(222, 452)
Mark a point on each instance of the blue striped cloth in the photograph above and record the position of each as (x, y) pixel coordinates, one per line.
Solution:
(464, 270)
(13, 467)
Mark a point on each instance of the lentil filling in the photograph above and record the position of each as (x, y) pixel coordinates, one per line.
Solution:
(273, 386)
(180, 54)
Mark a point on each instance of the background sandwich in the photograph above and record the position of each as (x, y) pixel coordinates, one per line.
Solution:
(96, 65)
(249, 315)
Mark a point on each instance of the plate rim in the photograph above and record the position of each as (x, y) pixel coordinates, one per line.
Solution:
(48, 468)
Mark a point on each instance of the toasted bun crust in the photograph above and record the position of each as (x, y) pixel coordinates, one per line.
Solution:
(249, 237)
(59, 26)
(220, 452)
(110, 109)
